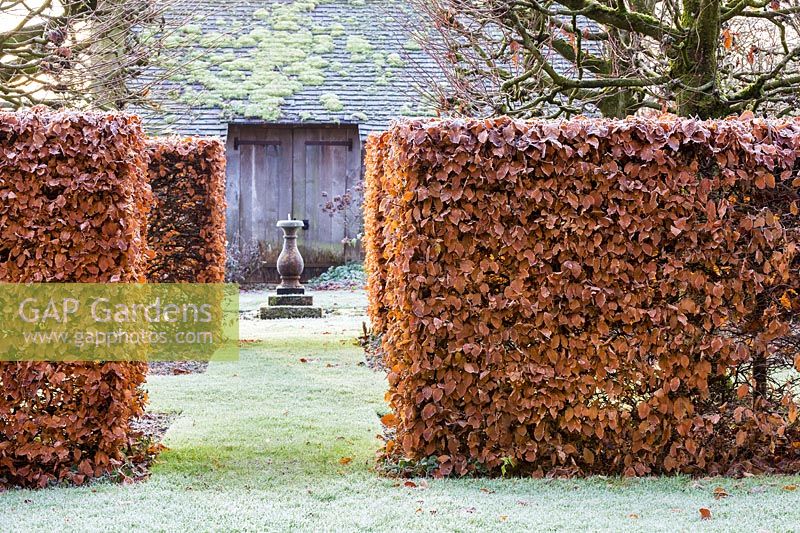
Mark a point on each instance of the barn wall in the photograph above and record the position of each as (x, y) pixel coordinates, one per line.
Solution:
(277, 170)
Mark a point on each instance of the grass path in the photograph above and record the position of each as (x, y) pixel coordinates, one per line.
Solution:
(258, 443)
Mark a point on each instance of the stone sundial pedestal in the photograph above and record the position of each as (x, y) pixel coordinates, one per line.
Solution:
(290, 300)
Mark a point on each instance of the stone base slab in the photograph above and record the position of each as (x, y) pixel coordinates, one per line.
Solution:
(292, 300)
(289, 311)
(286, 291)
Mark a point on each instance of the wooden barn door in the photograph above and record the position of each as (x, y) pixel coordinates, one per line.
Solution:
(274, 171)
(327, 162)
(259, 185)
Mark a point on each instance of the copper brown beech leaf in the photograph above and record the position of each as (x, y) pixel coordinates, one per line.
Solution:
(73, 208)
(187, 223)
(589, 296)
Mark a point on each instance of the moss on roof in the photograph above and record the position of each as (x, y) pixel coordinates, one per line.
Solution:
(251, 73)
(331, 102)
(246, 65)
(359, 48)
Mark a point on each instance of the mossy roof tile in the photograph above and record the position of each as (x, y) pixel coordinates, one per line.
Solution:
(275, 62)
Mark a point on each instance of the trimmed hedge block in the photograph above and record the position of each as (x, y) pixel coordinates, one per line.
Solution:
(374, 211)
(588, 297)
(73, 206)
(187, 223)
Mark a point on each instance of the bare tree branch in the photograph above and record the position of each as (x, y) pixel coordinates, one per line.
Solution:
(79, 52)
(707, 58)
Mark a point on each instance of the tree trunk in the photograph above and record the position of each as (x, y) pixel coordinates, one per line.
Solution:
(622, 102)
(618, 105)
(695, 66)
(753, 323)
(110, 54)
(760, 375)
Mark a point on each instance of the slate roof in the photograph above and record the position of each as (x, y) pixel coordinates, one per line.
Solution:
(367, 103)
(371, 96)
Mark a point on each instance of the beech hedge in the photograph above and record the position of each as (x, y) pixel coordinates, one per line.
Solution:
(588, 297)
(374, 224)
(187, 223)
(73, 206)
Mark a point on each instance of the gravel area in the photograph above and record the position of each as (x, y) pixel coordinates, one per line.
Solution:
(153, 426)
(176, 368)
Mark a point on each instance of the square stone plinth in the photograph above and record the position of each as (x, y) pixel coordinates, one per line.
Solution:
(283, 291)
(269, 312)
(293, 299)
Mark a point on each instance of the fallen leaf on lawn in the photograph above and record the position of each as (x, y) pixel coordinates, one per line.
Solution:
(487, 491)
(389, 420)
(790, 487)
(303, 360)
(470, 510)
(758, 490)
(705, 514)
(720, 493)
(523, 503)
(633, 516)
(345, 460)
(503, 517)
(245, 342)
(410, 484)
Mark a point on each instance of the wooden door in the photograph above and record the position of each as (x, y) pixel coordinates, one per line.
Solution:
(327, 163)
(260, 185)
(277, 171)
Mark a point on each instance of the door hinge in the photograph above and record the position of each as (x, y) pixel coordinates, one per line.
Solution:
(348, 144)
(237, 143)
